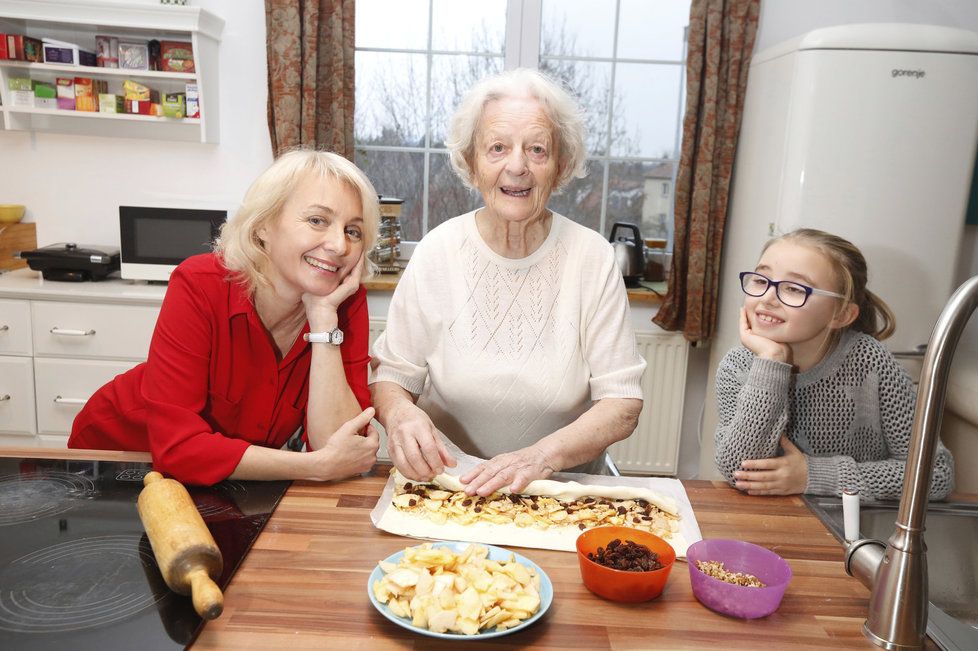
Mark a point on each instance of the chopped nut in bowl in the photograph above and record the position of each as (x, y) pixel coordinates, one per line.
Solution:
(737, 578)
(624, 564)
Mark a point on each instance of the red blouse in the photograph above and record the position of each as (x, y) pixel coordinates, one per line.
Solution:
(212, 385)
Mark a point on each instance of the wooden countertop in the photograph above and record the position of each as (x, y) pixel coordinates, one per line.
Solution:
(647, 292)
(304, 583)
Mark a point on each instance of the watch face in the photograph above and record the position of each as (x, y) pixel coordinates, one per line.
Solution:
(336, 337)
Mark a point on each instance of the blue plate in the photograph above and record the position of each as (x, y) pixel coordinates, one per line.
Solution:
(495, 554)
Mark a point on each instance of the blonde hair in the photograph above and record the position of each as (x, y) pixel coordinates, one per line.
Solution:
(875, 317)
(238, 244)
(564, 113)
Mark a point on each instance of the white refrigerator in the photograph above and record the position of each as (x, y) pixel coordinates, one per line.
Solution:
(868, 132)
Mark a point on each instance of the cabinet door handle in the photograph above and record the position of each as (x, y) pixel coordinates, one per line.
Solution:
(69, 401)
(71, 333)
(5, 397)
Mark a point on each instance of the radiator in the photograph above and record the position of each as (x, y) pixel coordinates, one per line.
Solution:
(653, 449)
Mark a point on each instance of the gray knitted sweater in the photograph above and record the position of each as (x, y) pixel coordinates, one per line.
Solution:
(851, 414)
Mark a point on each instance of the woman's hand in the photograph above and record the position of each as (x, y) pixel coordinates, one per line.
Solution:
(761, 345)
(415, 444)
(321, 310)
(512, 470)
(348, 452)
(784, 475)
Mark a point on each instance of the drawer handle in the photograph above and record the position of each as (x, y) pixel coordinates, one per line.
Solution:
(5, 397)
(69, 401)
(72, 333)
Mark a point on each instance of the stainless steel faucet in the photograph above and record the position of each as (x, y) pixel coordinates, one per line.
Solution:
(897, 572)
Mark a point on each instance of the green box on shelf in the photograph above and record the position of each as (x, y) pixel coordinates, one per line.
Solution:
(20, 83)
(174, 105)
(46, 91)
(110, 103)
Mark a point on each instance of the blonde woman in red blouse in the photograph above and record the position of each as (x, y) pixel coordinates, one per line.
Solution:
(266, 334)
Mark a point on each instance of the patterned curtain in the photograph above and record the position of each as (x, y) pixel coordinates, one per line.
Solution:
(721, 39)
(310, 74)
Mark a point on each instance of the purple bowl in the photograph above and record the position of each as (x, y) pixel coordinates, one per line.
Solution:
(738, 556)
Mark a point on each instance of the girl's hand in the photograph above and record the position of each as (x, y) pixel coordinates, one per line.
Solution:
(511, 470)
(348, 452)
(761, 345)
(415, 444)
(322, 309)
(784, 475)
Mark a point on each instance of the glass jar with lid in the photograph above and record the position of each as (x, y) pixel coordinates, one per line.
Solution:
(655, 260)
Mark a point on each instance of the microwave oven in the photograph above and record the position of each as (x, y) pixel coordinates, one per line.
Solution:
(153, 241)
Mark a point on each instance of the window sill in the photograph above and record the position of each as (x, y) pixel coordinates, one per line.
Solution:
(647, 292)
(382, 282)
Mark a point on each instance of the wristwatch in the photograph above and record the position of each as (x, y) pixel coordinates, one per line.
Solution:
(334, 336)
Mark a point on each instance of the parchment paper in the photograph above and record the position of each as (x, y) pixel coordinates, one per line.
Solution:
(387, 517)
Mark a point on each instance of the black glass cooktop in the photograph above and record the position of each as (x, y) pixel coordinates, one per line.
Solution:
(76, 567)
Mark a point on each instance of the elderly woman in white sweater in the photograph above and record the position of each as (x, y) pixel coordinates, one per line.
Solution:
(509, 331)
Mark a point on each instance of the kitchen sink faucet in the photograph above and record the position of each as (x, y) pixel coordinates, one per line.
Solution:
(897, 572)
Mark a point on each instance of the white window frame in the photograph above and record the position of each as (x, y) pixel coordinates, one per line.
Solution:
(522, 49)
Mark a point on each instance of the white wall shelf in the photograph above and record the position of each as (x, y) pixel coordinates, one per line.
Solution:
(85, 71)
(97, 115)
(80, 21)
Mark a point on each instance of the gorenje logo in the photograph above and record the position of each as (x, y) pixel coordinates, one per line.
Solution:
(916, 74)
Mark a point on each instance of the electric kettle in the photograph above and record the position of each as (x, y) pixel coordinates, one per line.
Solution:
(628, 251)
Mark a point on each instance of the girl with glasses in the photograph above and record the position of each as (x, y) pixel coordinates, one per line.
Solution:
(812, 402)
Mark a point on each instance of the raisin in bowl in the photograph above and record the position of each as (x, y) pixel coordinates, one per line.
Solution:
(644, 559)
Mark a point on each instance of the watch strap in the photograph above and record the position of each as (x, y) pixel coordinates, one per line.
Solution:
(334, 336)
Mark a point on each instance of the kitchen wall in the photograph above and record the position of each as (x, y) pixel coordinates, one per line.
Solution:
(79, 202)
(73, 185)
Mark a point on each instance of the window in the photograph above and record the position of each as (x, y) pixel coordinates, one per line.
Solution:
(624, 59)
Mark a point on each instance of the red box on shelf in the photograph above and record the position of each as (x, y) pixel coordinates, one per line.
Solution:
(15, 47)
(138, 106)
(3, 46)
(66, 93)
(177, 56)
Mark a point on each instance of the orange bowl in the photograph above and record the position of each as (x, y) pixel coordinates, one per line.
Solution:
(619, 585)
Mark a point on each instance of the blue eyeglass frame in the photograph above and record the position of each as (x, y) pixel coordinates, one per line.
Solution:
(777, 292)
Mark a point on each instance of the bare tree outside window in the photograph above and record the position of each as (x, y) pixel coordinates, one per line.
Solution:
(405, 98)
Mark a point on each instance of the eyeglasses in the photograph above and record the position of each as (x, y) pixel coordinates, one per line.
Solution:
(790, 293)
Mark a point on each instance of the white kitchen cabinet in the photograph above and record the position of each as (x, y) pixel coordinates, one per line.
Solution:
(80, 22)
(17, 396)
(15, 328)
(62, 342)
(92, 330)
(63, 386)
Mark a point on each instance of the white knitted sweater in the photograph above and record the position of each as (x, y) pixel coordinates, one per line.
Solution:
(851, 414)
(504, 352)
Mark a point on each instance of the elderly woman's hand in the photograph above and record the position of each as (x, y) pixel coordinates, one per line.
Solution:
(415, 445)
(321, 310)
(512, 470)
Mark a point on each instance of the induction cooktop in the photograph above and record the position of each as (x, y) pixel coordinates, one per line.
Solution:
(76, 567)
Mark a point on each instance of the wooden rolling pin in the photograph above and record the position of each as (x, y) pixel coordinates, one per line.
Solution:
(185, 550)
